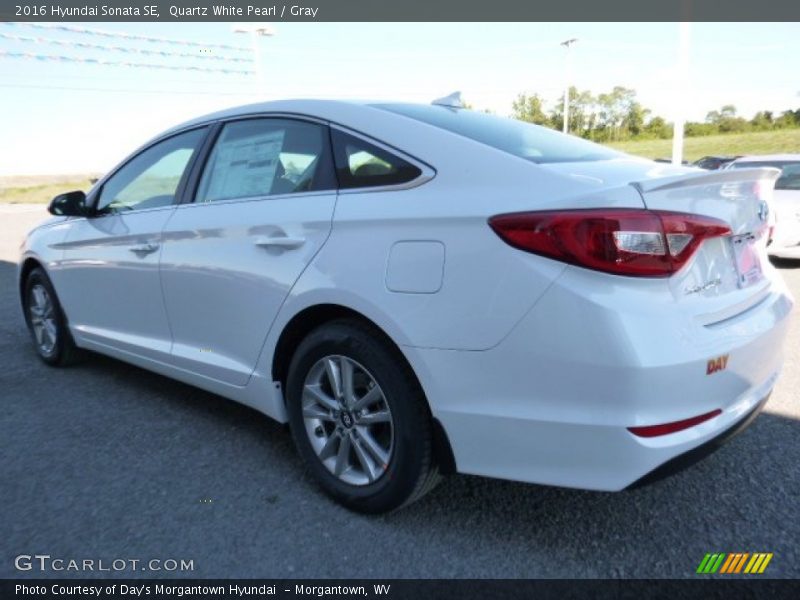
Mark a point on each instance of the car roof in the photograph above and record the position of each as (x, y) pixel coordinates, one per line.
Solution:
(323, 109)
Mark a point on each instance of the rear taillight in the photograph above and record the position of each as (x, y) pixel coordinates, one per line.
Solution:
(634, 242)
(674, 426)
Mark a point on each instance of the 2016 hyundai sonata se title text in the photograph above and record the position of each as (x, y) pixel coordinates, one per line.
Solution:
(420, 289)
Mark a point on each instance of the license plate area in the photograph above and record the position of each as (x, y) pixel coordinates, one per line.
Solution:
(748, 260)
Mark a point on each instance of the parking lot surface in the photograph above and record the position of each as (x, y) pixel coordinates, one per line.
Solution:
(107, 461)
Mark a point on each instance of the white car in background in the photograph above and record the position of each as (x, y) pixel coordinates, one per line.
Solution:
(420, 289)
(785, 239)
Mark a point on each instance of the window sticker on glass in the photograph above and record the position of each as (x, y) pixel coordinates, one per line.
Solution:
(245, 166)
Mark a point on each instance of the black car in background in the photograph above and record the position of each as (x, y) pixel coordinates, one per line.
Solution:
(712, 163)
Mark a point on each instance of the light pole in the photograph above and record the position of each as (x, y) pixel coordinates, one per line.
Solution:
(567, 44)
(680, 105)
(256, 30)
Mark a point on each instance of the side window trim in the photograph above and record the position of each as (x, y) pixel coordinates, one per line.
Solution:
(200, 165)
(426, 171)
(97, 191)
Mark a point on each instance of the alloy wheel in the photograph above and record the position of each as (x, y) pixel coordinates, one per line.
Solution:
(43, 319)
(348, 420)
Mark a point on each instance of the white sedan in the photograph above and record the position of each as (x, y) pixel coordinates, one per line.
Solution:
(785, 241)
(422, 289)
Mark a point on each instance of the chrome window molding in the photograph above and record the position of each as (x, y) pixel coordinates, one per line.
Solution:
(130, 213)
(426, 171)
(272, 115)
(259, 198)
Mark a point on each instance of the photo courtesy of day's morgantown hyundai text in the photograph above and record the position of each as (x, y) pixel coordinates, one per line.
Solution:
(424, 289)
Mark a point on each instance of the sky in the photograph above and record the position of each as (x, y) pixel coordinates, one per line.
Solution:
(67, 117)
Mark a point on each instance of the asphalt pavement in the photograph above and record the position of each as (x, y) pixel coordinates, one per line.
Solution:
(107, 461)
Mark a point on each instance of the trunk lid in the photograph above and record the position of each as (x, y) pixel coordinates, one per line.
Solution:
(727, 274)
(725, 277)
(734, 196)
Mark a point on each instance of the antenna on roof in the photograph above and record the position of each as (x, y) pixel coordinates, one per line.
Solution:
(452, 101)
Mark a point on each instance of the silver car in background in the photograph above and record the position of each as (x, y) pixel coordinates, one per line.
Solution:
(785, 218)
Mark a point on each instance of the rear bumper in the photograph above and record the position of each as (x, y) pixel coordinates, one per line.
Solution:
(586, 455)
(687, 459)
(552, 403)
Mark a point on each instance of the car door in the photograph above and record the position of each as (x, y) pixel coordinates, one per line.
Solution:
(259, 211)
(109, 282)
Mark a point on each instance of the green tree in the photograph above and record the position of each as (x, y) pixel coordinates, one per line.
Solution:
(726, 120)
(615, 106)
(529, 109)
(633, 123)
(788, 118)
(582, 114)
(762, 121)
(657, 127)
(694, 129)
(618, 115)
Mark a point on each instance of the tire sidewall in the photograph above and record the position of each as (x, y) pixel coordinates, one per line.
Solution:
(408, 454)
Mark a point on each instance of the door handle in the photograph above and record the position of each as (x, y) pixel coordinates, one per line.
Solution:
(285, 242)
(144, 250)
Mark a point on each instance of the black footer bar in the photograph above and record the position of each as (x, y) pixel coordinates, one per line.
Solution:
(396, 589)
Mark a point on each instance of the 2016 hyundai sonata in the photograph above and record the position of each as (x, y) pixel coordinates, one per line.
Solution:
(418, 289)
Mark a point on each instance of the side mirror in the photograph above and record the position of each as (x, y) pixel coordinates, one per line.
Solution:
(71, 204)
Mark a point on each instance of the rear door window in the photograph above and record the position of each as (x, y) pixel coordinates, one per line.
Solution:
(361, 164)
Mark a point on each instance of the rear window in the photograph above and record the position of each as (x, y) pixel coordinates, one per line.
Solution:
(790, 172)
(528, 141)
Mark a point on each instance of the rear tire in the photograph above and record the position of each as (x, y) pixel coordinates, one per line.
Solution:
(47, 323)
(359, 418)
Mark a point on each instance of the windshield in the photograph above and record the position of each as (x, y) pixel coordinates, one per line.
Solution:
(532, 142)
(790, 172)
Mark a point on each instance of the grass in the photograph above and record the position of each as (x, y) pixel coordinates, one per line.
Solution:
(37, 189)
(759, 142)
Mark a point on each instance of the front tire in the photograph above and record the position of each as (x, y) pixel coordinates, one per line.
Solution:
(47, 323)
(360, 419)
